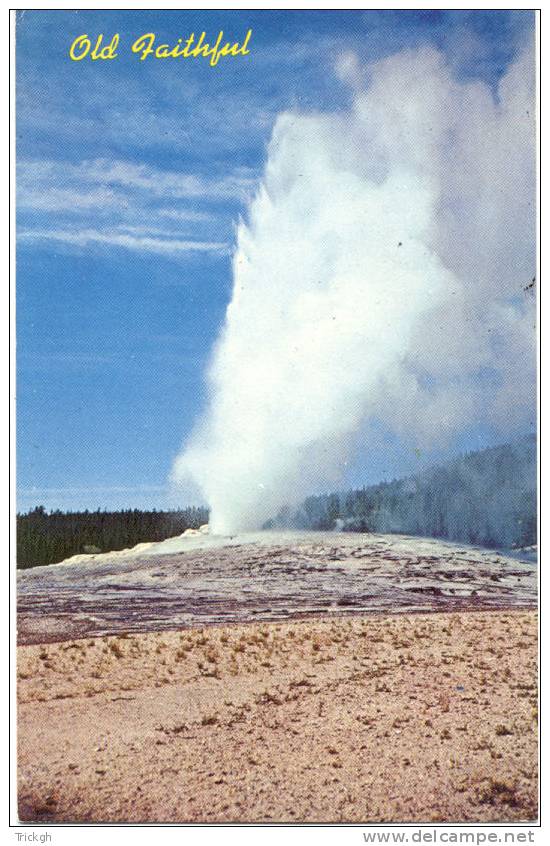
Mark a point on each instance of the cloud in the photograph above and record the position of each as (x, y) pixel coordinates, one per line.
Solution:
(38, 491)
(185, 215)
(140, 243)
(69, 181)
(164, 183)
(114, 497)
(105, 203)
(50, 198)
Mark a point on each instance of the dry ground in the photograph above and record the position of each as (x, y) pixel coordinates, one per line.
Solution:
(427, 717)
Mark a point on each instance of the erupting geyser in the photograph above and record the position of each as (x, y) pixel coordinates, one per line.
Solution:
(380, 274)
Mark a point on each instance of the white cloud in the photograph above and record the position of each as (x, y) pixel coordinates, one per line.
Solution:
(185, 215)
(39, 491)
(38, 176)
(50, 198)
(127, 204)
(140, 243)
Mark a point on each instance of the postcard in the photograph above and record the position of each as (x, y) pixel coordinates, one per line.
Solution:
(276, 283)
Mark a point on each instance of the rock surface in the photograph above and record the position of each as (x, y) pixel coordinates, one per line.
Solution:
(202, 579)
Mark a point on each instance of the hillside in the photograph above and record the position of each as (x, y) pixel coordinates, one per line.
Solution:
(486, 498)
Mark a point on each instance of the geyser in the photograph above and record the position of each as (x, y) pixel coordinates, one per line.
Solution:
(380, 274)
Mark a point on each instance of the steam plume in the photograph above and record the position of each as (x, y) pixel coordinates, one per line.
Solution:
(380, 274)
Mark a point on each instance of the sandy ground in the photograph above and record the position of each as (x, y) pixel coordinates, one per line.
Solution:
(418, 717)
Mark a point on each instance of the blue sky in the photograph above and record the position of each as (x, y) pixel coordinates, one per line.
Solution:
(131, 177)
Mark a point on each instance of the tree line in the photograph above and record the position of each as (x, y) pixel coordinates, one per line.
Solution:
(48, 537)
(486, 498)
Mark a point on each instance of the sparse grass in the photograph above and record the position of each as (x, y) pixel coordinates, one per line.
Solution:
(497, 791)
(270, 697)
(483, 745)
(116, 649)
(501, 730)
